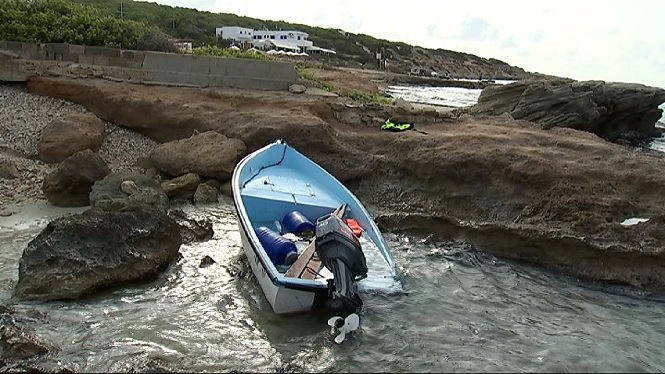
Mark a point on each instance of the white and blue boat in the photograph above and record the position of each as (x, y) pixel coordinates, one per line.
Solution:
(309, 241)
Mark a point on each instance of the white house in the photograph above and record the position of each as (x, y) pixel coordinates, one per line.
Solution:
(236, 34)
(281, 40)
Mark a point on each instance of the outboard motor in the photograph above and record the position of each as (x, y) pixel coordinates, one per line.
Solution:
(340, 251)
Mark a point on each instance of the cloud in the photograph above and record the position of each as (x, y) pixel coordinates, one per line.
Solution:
(536, 36)
(510, 42)
(477, 29)
(639, 50)
(432, 29)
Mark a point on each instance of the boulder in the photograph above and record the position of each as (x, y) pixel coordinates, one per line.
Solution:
(208, 154)
(65, 136)
(192, 229)
(183, 186)
(18, 342)
(613, 111)
(207, 261)
(96, 250)
(226, 189)
(8, 169)
(205, 194)
(297, 88)
(71, 183)
(118, 189)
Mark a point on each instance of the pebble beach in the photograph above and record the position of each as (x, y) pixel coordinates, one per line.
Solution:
(22, 117)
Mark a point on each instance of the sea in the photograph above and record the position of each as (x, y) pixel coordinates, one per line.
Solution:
(464, 311)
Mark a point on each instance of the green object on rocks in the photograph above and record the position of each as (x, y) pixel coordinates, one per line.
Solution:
(394, 125)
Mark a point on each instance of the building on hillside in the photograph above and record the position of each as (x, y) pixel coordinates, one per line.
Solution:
(279, 40)
(184, 45)
(236, 35)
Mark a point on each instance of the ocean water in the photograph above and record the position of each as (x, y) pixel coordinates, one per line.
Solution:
(446, 96)
(659, 144)
(465, 311)
(460, 97)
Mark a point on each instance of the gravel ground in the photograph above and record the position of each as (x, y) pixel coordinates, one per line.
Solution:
(22, 118)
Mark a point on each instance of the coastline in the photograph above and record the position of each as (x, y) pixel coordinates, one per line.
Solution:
(33, 213)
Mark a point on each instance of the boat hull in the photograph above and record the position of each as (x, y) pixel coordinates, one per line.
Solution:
(283, 300)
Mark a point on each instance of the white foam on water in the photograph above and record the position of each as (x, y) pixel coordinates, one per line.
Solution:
(447, 96)
(633, 221)
(381, 278)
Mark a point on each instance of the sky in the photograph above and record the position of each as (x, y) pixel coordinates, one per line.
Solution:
(609, 40)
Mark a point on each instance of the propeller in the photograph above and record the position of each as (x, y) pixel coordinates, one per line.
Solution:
(344, 325)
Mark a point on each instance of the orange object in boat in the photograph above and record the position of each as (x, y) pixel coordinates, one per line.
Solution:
(355, 227)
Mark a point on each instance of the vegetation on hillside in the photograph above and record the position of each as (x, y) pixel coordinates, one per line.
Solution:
(62, 21)
(199, 27)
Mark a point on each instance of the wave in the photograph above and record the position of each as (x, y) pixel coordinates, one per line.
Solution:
(445, 96)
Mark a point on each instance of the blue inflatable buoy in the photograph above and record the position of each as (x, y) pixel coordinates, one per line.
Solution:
(276, 246)
(295, 222)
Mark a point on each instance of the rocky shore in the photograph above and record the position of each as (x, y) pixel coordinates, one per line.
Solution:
(23, 116)
(519, 175)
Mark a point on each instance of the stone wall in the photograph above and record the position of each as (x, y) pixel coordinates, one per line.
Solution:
(144, 66)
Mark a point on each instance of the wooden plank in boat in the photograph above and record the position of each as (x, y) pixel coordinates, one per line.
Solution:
(297, 269)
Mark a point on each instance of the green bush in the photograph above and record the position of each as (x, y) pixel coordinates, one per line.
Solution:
(370, 98)
(300, 65)
(61, 21)
(213, 50)
(320, 83)
(156, 41)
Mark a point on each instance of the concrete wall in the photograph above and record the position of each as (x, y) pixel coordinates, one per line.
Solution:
(161, 68)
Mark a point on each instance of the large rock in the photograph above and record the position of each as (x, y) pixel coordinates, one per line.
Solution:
(191, 228)
(118, 189)
(8, 169)
(71, 183)
(613, 111)
(183, 186)
(208, 154)
(74, 133)
(206, 194)
(18, 342)
(95, 250)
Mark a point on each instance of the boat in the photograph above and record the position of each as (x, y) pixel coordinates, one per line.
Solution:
(309, 241)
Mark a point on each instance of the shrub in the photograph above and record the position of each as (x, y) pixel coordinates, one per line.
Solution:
(370, 98)
(320, 83)
(61, 21)
(156, 41)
